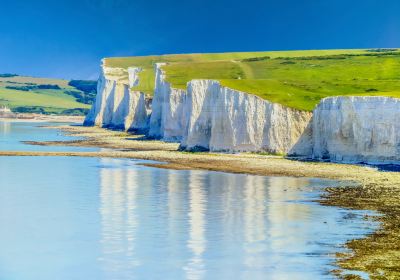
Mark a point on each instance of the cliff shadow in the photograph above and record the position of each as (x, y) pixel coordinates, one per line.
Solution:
(120, 108)
(303, 148)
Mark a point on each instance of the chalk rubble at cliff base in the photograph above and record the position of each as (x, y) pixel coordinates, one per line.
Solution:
(208, 116)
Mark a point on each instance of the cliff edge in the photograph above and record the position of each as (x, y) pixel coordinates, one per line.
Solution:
(209, 116)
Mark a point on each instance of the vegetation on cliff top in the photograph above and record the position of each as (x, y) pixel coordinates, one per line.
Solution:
(298, 79)
(46, 96)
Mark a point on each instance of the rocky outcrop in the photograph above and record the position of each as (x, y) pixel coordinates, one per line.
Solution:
(168, 117)
(104, 89)
(223, 119)
(133, 76)
(116, 105)
(357, 129)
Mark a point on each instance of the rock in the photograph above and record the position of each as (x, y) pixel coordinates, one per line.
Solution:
(223, 119)
(116, 106)
(210, 117)
(104, 88)
(133, 76)
(168, 117)
(357, 129)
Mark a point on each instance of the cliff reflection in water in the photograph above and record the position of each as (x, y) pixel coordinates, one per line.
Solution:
(198, 225)
(5, 128)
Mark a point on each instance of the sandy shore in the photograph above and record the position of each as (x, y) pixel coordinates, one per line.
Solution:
(122, 144)
(377, 254)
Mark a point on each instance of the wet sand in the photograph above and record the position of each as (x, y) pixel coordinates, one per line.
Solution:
(369, 189)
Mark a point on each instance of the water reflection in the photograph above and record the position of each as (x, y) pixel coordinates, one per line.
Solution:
(254, 228)
(5, 128)
(288, 226)
(13, 135)
(197, 225)
(204, 225)
(118, 196)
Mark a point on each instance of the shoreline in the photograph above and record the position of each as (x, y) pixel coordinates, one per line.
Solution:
(128, 145)
(33, 118)
(368, 188)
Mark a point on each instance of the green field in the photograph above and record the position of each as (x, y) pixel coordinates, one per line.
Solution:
(41, 95)
(298, 79)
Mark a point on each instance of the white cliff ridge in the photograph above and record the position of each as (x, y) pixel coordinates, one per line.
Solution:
(209, 116)
(133, 76)
(357, 129)
(168, 118)
(116, 105)
(223, 119)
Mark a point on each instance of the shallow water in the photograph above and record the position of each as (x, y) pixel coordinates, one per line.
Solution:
(13, 133)
(87, 218)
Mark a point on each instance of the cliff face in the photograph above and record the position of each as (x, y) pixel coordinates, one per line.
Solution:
(116, 106)
(133, 76)
(357, 129)
(208, 116)
(223, 119)
(168, 118)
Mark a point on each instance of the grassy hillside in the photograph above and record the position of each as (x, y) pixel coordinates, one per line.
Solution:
(47, 96)
(298, 79)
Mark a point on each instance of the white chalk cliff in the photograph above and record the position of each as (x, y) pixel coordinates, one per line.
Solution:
(223, 119)
(209, 116)
(356, 129)
(116, 105)
(168, 118)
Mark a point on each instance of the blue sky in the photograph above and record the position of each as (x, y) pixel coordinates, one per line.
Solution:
(67, 38)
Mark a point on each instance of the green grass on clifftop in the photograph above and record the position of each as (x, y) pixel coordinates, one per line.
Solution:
(298, 79)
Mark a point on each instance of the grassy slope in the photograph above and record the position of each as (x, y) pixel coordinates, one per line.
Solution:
(293, 78)
(51, 100)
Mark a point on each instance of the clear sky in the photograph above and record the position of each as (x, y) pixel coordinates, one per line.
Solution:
(67, 38)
